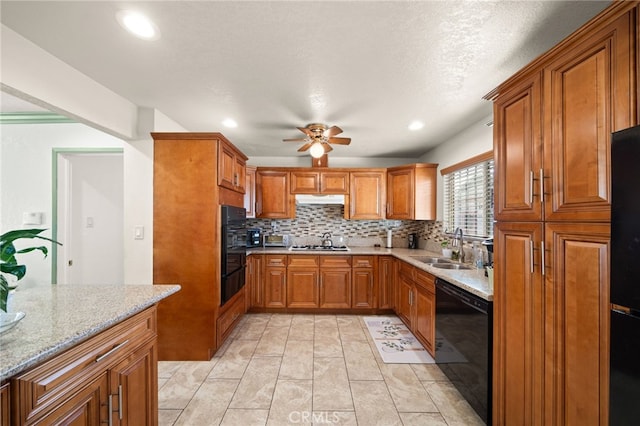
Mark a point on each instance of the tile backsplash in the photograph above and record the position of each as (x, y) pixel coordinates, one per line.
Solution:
(314, 220)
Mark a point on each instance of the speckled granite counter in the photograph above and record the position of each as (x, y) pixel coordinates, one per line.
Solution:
(471, 280)
(61, 316)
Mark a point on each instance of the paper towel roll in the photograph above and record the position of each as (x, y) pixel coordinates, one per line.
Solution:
(389, 245)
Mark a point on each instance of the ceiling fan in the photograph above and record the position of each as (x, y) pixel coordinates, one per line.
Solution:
(318, 139)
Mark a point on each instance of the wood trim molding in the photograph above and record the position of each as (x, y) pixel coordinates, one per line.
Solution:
(468, 162)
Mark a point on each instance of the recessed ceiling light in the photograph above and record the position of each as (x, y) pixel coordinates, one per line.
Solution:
(416, 125)
(230, 122)
(138, 25)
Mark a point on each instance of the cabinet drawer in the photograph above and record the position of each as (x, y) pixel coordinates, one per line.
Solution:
(303, 261)
(227, 320)
(426, 280)
(335, 261)
(39, 387)
(275, 259)
(363, 261)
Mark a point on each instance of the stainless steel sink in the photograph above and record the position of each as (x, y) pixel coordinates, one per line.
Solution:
(428, 259)
(450, 266)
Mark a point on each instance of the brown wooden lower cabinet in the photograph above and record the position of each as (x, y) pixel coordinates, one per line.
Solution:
(386, 282)
(551, 330)
(4, 405)
(111, 378)
(302, 282)
(335, 282)
(415, 303)
(275, 281)
(364, 282)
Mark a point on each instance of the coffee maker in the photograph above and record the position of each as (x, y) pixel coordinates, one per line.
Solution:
(413, 241)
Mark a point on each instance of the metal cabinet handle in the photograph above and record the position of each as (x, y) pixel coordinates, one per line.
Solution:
(120, 401)
(542, 257)
(110, 410)
(531, 256)
(541, 185)
(111, 351)
(531, 179)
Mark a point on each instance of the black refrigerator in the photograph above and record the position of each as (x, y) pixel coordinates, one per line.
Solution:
(624, 389)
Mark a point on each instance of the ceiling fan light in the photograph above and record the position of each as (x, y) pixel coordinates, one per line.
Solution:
(316, 150)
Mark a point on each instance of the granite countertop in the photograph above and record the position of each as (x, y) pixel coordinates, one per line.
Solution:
(471, 280)
(61, 316)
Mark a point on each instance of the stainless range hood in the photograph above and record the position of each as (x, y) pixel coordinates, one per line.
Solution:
(319, 199)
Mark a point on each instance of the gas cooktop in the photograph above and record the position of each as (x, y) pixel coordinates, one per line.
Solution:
(309, 247)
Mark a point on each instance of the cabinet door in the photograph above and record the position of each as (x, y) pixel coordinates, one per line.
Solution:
(240, 171)
(273, 199)
(4, 405)
(250, 192)
(400, 189)
(86, 407)
(335, 288)
(305, 182)
(275, 287)
(404, 288)
(302, 288)
(386, 293)
(518, 307)
(334, 183)
(363, 288)
(226, 166)
(255, 265)
(590, 93)
(134, 383)
(424, 327)
(577, 324)
(367, 195)
(518, 151)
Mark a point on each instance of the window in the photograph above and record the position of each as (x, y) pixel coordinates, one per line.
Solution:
(468, 196)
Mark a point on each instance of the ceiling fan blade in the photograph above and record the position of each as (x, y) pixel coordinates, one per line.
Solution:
(294, 140)
(305, 147)
(340, 141)
(327, 148)
(333, 130)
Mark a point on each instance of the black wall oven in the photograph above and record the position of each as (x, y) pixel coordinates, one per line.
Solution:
(464, 343)
(233, 252)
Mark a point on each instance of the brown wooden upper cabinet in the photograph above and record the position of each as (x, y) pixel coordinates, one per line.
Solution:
(411, 192)
(273, 198)
(554, 161)
(231, 167)
(367, 194)
(319, 182)
(250, 191)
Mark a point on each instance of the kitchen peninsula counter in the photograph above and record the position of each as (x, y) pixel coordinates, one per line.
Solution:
(471, 280)
(59, 317)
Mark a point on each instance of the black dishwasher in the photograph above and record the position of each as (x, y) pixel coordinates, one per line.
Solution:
(464, 341)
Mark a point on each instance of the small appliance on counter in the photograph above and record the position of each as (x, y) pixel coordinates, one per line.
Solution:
(276, 240)
(413, 241)
(254, 237)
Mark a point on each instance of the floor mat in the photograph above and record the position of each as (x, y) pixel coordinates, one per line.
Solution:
(395, 343)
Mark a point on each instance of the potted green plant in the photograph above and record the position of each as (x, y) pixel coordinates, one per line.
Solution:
(9, 264)
(446, 251)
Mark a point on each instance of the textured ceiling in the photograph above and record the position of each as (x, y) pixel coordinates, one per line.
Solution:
(369, 67)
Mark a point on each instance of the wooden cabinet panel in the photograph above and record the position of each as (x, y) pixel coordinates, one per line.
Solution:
(335, 288)
(302, 288)
(132, 378)
(518, 324)
(577, 324)
(250, 192)
(230, 315)
(335, 262)
(404, 288)
(302, 261)
(319, 182)
(518, 150)
(273, 199)
(424, 326)
(363, 288)
(231, 167)
(386, 287)
(367, 194)
(255, 271)
(5, 416)
(275, 285)
(590, 93)
(411, 192)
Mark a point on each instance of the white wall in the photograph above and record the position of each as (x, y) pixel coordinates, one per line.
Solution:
(305, 161)
(475, 139)
(26, 176)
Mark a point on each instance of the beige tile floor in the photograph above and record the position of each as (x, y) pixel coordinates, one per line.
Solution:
(279, 369)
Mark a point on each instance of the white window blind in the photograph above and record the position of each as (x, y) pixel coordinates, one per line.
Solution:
(468, 199)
